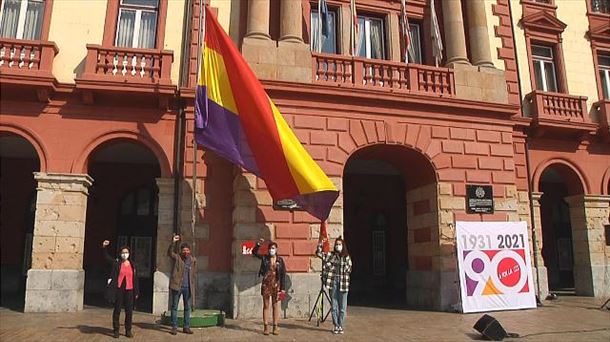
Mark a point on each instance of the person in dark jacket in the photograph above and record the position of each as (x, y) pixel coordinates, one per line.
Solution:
(273, 271)
(182, 283)
(122, 287)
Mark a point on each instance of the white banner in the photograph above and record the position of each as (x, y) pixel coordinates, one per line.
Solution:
(494, 266)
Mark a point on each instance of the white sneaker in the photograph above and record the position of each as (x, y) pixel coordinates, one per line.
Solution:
(340, 330)
(335, 330)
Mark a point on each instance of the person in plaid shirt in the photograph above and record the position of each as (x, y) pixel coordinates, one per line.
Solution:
(336, 269)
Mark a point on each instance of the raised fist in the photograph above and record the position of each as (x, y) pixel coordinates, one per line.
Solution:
(105, 243)
(176, 238)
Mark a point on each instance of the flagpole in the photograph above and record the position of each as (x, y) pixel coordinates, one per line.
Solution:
(201, 33)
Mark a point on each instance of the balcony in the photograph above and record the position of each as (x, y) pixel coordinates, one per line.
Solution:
(116, 71)
(555, 113)
(381, 75)
(603, 110)
(26, 65)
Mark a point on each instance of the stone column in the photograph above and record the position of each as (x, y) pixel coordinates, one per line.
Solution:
(478, 34)
(455, 41)
(540, 272)
(258, 19)
(164, 235)
(56, 280)
(291, 24)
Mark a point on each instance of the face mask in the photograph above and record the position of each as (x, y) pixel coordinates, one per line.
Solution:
(338, 248)
(185, 254)
(272, 251)
(124, 256)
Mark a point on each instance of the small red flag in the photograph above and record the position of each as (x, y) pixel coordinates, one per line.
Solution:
(324, 237)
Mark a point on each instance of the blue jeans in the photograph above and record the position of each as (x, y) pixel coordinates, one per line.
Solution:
(339, 303)
(186, 298)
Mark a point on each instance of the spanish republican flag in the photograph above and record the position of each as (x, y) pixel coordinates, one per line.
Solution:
(237, 120)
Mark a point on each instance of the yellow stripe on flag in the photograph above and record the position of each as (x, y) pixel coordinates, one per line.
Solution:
(306, 173)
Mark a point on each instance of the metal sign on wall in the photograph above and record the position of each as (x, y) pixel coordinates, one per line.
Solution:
(479, 199)
(286, 204)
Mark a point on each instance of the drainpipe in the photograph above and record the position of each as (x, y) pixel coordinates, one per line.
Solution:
(180, 127)
(527, 166)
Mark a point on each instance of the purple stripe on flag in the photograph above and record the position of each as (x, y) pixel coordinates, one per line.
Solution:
(318, 203)
(219, 130)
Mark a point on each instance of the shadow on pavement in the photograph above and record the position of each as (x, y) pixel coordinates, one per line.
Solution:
(238, 328)
(304, 327)
(153, 326)
(475, 336)
(88, 329)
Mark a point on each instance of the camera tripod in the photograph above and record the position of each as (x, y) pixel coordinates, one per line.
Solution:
(318, 307)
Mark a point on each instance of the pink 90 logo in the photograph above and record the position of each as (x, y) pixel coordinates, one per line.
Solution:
(495, 272)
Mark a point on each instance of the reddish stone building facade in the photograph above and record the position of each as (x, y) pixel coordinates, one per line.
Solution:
(110, 156)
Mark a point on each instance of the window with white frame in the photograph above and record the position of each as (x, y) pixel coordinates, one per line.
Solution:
(328, 31)
(544, 68)
(371, 42)
(416, 48)
(137, 24)
(603, 62)
(21, 19)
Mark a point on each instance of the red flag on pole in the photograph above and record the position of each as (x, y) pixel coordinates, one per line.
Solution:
(323, 239)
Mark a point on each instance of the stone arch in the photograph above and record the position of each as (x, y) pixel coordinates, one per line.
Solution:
(605, 190)
(80, 165)
(571, 172)
(32, 138)
(408, 154)
(361, 134)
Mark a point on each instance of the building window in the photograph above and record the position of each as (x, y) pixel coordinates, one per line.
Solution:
(603, 62)
(21, 19)
(416, 56)
(602, 6)
(137, 24)
(329, 32)
(544, 68)
(371, 37)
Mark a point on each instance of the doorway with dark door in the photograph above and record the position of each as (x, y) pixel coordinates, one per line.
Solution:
(137, 228)
(122, 208)
(18, 162)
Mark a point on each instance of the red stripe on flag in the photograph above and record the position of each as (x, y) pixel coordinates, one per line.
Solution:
(255, 114)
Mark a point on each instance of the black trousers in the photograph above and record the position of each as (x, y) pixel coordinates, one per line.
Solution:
(124, 298)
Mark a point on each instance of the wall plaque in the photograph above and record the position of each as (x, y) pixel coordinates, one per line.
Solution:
(479, 199)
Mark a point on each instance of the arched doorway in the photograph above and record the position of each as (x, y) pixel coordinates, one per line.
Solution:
(376, 184)
(18, 162)
(558, 183)
(122, 207)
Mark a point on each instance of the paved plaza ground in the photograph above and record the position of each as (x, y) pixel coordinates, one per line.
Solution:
(566, 319)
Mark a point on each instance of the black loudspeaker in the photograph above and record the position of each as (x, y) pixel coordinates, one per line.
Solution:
(490, 328)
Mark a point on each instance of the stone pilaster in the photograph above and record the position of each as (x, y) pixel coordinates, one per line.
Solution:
(541, 278)
(56, 280)
(455, 40)
(431, 275)
(165, 232)
(588, 214)
(478, 34)
(246, 299)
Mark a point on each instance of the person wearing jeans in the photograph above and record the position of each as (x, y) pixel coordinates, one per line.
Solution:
(336, 270)
(182, 283)
(339, 305)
